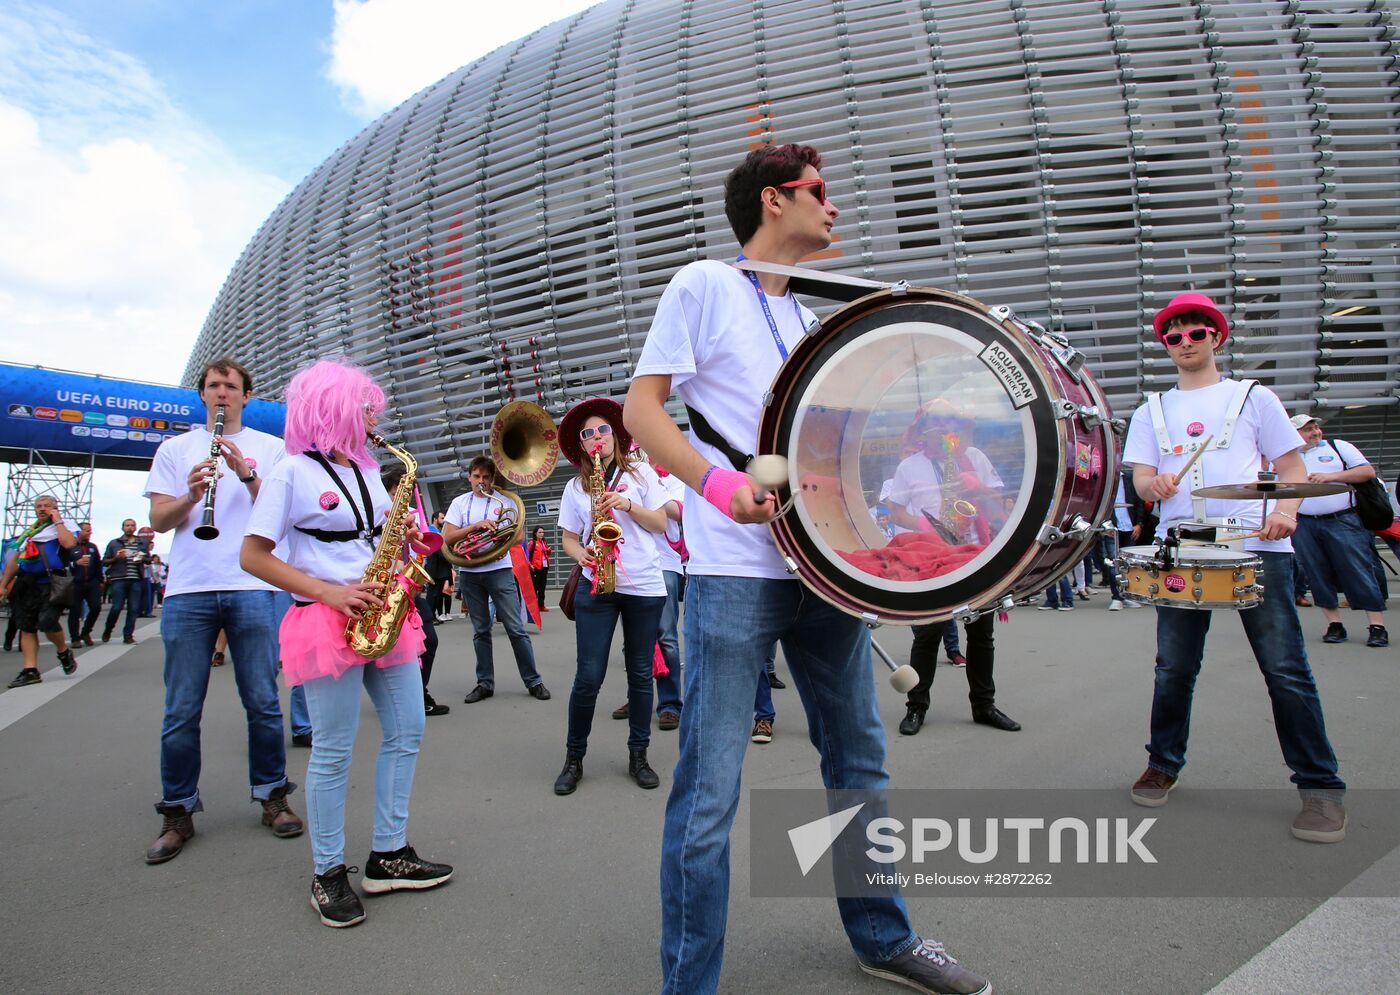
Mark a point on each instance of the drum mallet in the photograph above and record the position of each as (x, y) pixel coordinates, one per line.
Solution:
(902, 678)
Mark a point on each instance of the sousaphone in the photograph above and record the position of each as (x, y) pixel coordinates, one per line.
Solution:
(524, 447)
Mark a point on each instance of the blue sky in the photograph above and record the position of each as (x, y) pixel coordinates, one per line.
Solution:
(142, 143)
(253, 71)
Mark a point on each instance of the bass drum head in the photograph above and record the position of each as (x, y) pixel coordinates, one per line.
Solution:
(873, 410)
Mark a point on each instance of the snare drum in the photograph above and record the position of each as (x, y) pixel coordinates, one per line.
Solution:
(1202, 577)
(985, 440)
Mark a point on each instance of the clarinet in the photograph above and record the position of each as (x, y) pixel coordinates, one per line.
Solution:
(206, 529)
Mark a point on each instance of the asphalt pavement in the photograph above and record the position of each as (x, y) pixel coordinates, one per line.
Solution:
(560, 894)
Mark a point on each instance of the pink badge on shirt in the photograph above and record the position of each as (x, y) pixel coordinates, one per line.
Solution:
(1195, 430)
(330, 500)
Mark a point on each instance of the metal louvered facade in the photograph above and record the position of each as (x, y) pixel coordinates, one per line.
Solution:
(506, 232)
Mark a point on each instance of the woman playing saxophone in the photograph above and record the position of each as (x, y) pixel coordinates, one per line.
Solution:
(325, 507)
(617, 492)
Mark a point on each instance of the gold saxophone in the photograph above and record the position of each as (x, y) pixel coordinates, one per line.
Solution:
(956, 510)
(606, 533)
(376, 630)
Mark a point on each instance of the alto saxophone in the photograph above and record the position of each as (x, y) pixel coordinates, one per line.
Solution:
(606, 532)
(376, 630)
(956, 510)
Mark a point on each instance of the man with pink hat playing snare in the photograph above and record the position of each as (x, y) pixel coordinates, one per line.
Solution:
(1238, 423)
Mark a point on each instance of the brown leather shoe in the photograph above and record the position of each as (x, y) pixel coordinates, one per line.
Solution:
(1322, 820)
(177, 827)
(667, 721)
(1303, 601)
(622, 711)
(1152, 788)
(279, 815)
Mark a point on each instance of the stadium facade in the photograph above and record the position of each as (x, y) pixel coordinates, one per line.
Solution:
(506, 232)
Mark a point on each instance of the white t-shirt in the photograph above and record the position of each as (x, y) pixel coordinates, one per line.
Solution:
(299, 492)
(710, 336)
(1324, 458)
(918, 484)
(1263, 429)
(675, 490)
(212, 565)
(638, 564)
(468, 508)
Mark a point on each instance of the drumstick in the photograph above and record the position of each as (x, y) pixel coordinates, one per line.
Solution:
(1176, 482)
(1247, 535)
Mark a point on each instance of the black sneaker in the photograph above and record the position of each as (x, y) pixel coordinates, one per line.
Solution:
(539, 692)
(70, 662)
(335, 900)
(1378, 636)
(927, 967)
(1336, 633)
(26, 676)
(431, 707)
(775, 683)
(402, 870)
(302, 739)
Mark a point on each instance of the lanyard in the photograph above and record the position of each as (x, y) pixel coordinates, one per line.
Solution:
(763, 303)
(471, 500)
(360, 520)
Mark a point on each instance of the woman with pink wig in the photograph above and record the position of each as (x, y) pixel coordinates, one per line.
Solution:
(324, 506)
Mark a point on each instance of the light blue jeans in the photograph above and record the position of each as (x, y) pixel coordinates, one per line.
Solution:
(729, 624)
(397, 693)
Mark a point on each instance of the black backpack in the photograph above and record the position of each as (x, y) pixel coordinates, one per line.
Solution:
(1369, 499)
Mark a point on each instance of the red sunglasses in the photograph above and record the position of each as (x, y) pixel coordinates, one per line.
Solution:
(819, 184)
(1173, 339)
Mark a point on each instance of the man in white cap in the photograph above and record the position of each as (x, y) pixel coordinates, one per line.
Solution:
(1238, 423)
(1336, 550)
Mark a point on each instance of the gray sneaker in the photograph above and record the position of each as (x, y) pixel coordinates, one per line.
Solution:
(927, 967)
(1322, 820)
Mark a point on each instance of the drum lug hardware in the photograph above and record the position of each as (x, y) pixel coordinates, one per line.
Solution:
(767, 398)
(870, 619)
(790, 564)
(1196, 576)
(1152, 589)
(965, 614)
(1064, 408)
(1007, 603)
(1079, 526)
(900, 288)
(1002, 313)
(1237, 576)
(1090, 415)
(1196, 593)
(1049, 535)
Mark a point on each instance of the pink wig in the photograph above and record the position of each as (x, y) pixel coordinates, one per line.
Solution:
(326, 407)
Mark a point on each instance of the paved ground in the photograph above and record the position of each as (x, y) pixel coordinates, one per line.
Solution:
(559, 894)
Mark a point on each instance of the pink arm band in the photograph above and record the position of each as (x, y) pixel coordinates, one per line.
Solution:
(719, 487)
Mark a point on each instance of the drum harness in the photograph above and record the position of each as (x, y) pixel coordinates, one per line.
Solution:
(1222, 439)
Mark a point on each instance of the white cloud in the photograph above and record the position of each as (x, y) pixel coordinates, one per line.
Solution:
(120, 217)
(384, 51)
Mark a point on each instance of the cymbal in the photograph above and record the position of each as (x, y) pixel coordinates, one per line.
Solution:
(1259, 489)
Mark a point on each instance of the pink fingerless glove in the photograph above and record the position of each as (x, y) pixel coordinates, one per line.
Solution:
(719, 486)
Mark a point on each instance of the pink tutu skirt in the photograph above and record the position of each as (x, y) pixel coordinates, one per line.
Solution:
(313, 644)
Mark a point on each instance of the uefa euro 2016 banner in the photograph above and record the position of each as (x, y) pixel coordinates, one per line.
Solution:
(117, 420)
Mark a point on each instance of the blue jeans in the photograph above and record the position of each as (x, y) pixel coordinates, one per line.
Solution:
(481, 590)
(397, 694)
(1338, 554)
(188, 626)
(763, 710)
(595, 621)
(729, 624)
(1060, 593)
(1277, 640)
(668, 688)
(127, 594)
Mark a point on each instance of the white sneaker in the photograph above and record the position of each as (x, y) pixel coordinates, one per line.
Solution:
(1115, 605)
(1136, 604)
(1066, 608)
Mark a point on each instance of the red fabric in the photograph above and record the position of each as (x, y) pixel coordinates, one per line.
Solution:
(521, 568)
(913, 556)
(658, 662)
(1393, 530)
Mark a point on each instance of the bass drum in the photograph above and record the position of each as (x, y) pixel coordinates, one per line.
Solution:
(903, 389)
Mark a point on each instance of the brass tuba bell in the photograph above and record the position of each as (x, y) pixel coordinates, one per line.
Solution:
(524, 447)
